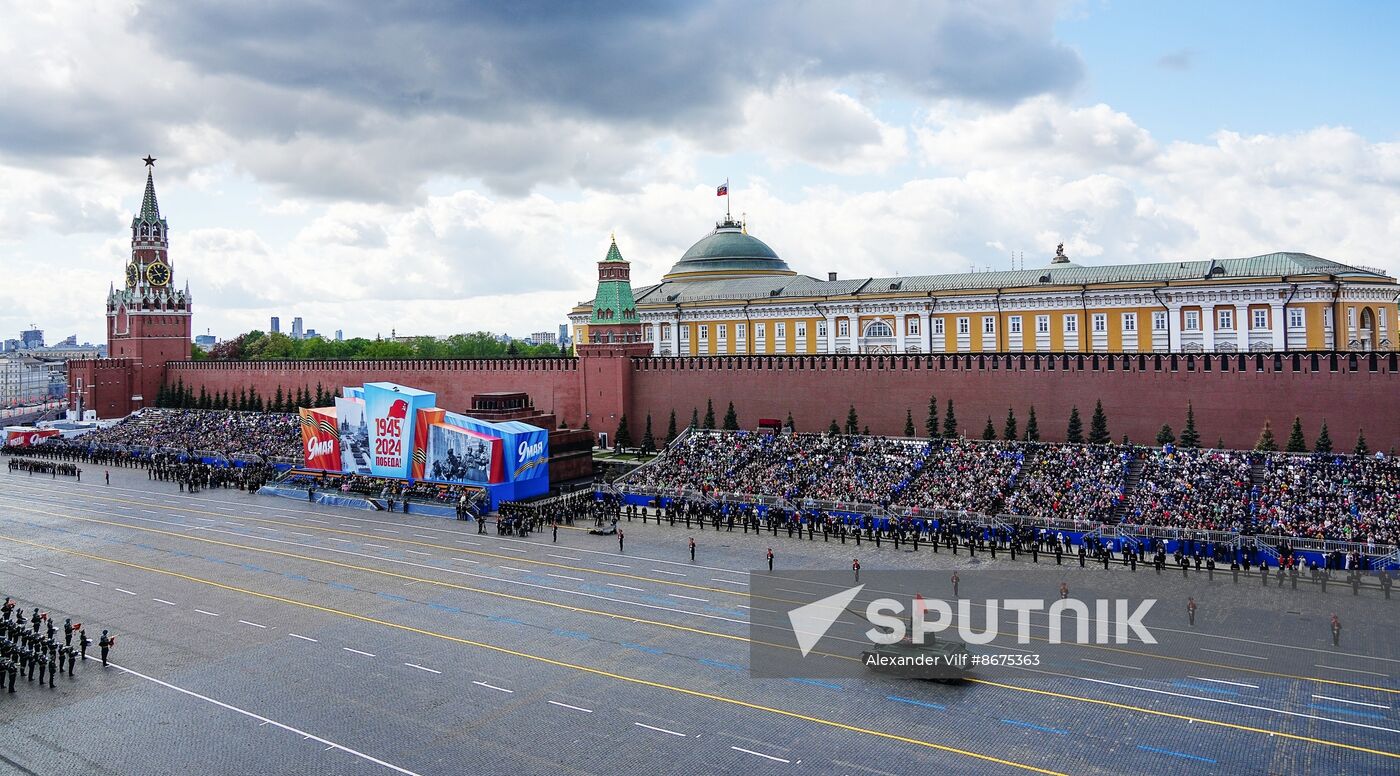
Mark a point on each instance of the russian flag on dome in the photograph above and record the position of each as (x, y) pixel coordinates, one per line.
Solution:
(722, 190)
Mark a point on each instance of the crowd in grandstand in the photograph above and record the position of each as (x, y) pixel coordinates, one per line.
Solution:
(225, 432)
(1314, 496)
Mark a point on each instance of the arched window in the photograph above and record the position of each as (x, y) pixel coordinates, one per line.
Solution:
(878, 329)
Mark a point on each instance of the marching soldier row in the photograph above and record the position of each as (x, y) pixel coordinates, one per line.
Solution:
(34, 646)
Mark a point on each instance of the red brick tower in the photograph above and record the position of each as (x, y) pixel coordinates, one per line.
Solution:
(148, 319)
(614, 339)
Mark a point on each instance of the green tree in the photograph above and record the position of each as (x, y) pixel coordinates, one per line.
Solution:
(1032, 427)
(709, 413)
(1074, 433)
(279, 400)
(1266, 441)
(1189, 437)
(731, 419)
(203, 402)
(931, 422)
(671, 428)
(791, 426)
(1361, 447)
(866, 431)
(909, 423)
(989, 431)
(1010, 431)
(833, 428)
(1323, 443)
(852, 422)
(255, 402)
(1165, 436)
(950, 422)
(512, 349)
(648, 442)
(198, 353)
(1296, 443)
(242, 405)
(624, 434)
(1220, 443)
(694, 418)
(1098, 426)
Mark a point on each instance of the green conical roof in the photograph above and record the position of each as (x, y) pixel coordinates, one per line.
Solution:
(150, 211)
(613, 253)
(614, 302)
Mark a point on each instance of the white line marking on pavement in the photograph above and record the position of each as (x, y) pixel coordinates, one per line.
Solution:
(26, 565)
(303, 638)
(58, 573)
(512, 549)
(760, 754)
(380, 546)
(123, 590)
(265, 528)
(1106, 663)
(342, 541)
(1224, 702)
(624, 587)
(1354, 703)
(314, 520)
(689, 597)
(1222, 681)
(512, 568)
(575, 708)
(255, 625)
(264, 720)
(425, 536)
(299, 533)
(358, 652)
(163, 601)
(415, 552)
(211, 614)
(230, 522)
(672, 573)
(466, 560)
(615, 565)
(422, 668)
(464, 541)
(564, 557)
(1236, 654)
(661, 730)
(729, 581)
(1350, 670)
(90, 582)
(385, 530)
(561, 576)
(150, 511)
(492, 687)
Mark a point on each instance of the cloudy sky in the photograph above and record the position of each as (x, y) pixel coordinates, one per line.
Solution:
(436, 167)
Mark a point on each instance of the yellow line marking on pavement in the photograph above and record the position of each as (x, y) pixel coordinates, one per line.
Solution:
(551, 661)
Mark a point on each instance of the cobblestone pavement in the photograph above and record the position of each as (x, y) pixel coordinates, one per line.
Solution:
(263, 635)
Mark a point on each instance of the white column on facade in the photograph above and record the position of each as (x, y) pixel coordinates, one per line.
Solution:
(1276, 313)
(925, 332)
(899, 326)
(1242, 326)
(1208, 321)
(1174, 324)
(676, 337)
(655, 338)
(830, 332)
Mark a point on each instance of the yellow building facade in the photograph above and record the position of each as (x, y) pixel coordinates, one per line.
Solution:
(730, 294)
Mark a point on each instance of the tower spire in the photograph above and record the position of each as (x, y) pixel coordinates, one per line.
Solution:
(150, 209)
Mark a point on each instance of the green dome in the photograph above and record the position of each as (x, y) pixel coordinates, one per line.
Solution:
(730, 252)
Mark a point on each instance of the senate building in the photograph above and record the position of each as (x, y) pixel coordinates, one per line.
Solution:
(731, 294)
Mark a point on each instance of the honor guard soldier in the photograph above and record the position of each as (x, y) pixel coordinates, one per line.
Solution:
(855, 567)
(105, 643)
(619, 540)
(1191, 611)
(770, 558)
(1081, 557)
(1064, 591)
(35, 619)
(1385, 583)
(556, 531)
(692, 549)
(68, 630)
(83, 643)
(1336, 631)
(8, 609)
(1210, 567)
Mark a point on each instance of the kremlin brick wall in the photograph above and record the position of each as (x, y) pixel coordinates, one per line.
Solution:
(1232, 394)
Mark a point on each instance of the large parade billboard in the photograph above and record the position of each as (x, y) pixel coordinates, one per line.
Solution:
(391, 430)
(390, 411)
(354, 435)
(320, 440)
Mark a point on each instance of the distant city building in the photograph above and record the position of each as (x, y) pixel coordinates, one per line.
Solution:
(70, 341)
(297, 332)
(31, 338)
(563, 340)
(276, 325)
(544, 337)
(206, 341)
(11, 344)
(309, 333)
(24, 378)
(339, 335)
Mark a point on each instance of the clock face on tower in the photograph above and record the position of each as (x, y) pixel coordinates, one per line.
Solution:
(132, 275)
(158, 274)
